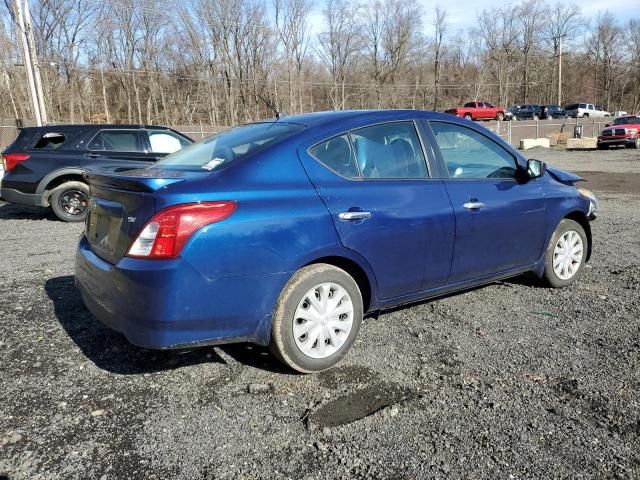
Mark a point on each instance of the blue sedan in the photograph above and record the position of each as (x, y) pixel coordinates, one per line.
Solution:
(288, 232)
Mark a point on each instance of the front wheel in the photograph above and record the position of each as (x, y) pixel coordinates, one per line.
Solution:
(468, 116)
(566, 254)
(317, 318)
(69, 201)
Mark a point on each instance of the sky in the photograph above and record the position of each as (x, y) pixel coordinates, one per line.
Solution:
(462, 13)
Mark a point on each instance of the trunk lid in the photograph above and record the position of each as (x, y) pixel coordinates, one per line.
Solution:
(119, 207)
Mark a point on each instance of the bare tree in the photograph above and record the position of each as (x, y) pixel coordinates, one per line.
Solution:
(440, 27)
(338, 45)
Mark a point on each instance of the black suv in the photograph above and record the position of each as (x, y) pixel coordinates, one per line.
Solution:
(529, 112)
(44, 165)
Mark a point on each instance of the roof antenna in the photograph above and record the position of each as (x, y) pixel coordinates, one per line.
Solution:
(270, 105)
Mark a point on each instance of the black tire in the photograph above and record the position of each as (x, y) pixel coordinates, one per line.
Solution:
(603, 146)
(70, 201)
(586, 115)
(550, 277)
(468, 116)
(636, 144)
(283, 344)
(500, 116)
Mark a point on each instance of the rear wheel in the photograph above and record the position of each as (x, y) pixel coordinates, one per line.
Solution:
(468, 116)
(566, 254)
(500, 116)
(70, 201)
(317, 318)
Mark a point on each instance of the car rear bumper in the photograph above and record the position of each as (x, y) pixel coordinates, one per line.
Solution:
(15, 196)
(162, 304)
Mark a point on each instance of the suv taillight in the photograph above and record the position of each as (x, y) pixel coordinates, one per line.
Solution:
(168, 230)
(10, 160)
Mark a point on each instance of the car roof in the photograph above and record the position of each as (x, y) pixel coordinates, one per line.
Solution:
(317, 119)
(101, 126)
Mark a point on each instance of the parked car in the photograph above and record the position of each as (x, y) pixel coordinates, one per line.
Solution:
(529, 112)
(622, 131)
(553, 112)
(585, 110)
(287, 232)
(512, 112)
(478, 111)
(44, 165)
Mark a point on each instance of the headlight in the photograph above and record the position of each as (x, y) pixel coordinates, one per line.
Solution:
(630, 131)
(593, 202)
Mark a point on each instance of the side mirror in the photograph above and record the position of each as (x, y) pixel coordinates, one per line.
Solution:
(535, 168)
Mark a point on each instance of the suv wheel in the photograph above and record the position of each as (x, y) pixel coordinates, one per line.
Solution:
(566, 254)
(70, 201)
(317, 318)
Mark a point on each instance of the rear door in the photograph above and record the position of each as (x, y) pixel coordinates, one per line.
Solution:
(500, 217)
(119, 150)
(375, 183)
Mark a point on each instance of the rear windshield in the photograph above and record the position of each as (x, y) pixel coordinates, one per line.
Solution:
(626, 121)
(228, 146)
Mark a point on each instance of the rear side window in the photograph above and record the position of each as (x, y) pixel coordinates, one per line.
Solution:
(166, 142)
(116, 141)
(336, 154)
(50, 141)
(389, 150)
(469, 154)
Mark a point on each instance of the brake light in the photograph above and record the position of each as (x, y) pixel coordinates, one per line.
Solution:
(168, 230)
(12, 159)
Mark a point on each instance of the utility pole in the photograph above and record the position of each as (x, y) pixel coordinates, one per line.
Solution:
(34, 61)
(27, 63)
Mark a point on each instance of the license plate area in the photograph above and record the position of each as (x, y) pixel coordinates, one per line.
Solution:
(104, 227)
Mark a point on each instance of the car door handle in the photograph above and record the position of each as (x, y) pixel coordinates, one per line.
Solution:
(347, 216)
(92, 155)
(473, 205)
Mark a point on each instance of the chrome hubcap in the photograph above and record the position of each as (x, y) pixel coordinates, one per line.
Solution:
(323, 320)
(567, 255)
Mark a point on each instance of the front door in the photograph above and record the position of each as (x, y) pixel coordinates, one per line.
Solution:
(500, 216)
(375, 183)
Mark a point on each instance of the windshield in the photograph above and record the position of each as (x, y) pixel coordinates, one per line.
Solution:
(228, 146)
(626, 121)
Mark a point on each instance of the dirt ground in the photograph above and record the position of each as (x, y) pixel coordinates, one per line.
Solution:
(511, 380)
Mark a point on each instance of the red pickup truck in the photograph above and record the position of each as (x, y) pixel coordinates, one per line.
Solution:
(478, 111)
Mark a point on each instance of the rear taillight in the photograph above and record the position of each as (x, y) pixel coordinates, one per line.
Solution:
(10, 160)
(166, 233)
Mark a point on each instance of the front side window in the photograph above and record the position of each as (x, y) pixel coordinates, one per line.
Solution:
(116, 141)
(469, 154)
(336, 154)
(389, 150)
(166, 142)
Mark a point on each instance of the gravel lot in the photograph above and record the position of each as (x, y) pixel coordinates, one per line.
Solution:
(506, 381)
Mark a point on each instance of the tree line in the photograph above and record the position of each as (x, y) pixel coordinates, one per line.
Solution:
(221, 62)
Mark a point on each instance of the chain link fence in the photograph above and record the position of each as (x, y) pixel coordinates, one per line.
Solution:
(557, 131)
